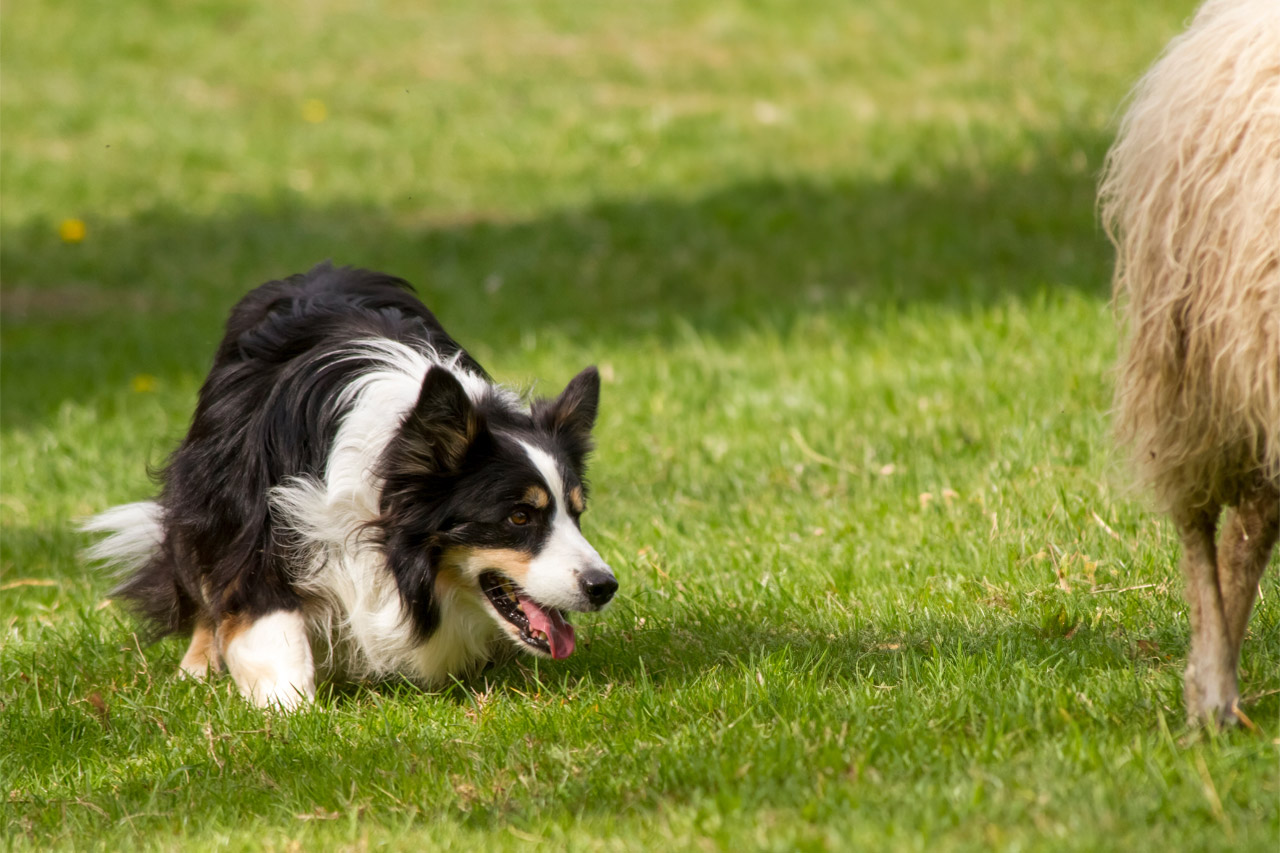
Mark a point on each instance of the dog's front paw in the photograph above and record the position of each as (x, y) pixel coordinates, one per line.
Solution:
(270, 659)
(281, 695)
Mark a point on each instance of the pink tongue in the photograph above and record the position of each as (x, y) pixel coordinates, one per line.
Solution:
(550, 622)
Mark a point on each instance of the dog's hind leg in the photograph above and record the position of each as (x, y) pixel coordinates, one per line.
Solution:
(202, 655)
(1210, 682)
(270, 658)
(1247, 539)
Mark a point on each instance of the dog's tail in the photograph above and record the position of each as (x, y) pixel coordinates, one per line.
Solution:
(135, 549)
(135, 534)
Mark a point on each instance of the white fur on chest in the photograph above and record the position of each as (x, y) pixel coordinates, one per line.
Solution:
(354, 605)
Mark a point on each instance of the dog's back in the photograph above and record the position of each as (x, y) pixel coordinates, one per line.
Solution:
(267, 412)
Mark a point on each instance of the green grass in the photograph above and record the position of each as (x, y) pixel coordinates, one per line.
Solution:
(883, 584)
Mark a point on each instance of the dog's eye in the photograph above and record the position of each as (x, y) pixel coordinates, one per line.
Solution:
(519, 518)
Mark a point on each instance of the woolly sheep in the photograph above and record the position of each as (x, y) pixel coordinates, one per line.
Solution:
(1190, 196)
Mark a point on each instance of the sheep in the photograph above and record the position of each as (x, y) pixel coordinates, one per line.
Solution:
(1190, 198)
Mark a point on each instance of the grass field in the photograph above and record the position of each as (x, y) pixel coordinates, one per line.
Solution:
(883, 584)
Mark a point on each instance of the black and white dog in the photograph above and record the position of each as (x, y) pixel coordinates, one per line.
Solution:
(353, 477)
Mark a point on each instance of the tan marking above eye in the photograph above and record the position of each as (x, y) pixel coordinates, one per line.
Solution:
(577, 499)
(536, 497)
(509, 561)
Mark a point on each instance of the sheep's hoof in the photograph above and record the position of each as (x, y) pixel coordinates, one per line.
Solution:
(1212, 696)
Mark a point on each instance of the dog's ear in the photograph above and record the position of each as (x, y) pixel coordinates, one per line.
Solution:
(571, 416)
(414, 564)
(443, 423)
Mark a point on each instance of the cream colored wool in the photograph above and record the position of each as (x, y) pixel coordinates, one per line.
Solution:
(1191, 198)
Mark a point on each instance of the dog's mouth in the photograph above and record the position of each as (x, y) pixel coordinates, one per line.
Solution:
(538, 626)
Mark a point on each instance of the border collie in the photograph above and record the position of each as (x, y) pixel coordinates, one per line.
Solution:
(353, 477)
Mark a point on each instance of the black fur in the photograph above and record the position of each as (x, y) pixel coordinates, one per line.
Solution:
(270, 409)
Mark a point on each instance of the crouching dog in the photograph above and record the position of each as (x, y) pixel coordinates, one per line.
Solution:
(352, 478)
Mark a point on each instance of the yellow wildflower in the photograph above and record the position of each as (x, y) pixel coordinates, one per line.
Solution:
(314, 111)
(71, 230)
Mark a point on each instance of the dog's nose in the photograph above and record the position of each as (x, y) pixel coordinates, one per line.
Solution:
(598, 585)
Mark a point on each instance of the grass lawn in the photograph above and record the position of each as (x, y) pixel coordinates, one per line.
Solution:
(883, 584)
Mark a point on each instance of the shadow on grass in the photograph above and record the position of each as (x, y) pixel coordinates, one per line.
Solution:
(676, 655)
(148, 295)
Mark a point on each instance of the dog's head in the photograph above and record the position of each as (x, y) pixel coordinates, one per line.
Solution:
(493, 497)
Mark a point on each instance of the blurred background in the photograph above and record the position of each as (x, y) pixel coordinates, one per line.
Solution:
(603, 170)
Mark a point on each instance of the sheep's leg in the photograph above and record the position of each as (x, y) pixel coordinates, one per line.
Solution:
(1210, 683)
(1248, 536)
